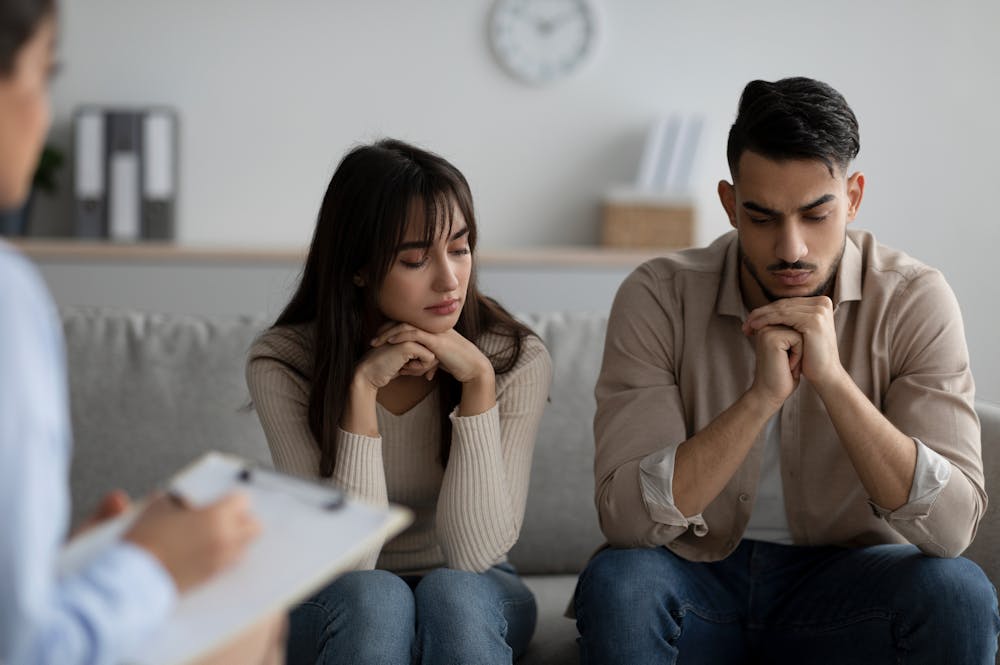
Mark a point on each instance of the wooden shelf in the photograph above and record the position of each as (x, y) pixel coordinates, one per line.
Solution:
(82, 251)
(95, 251)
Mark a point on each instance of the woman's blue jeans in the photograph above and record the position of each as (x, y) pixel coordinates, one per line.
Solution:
(778, 604)
(446, 616)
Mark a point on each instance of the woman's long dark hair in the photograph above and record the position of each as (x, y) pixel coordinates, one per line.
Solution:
(362, 220)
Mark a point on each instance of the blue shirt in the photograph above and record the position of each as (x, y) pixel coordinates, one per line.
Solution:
(97, 615)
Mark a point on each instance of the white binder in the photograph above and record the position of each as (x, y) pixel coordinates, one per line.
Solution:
(125, 172)
(159, 173)
(124, 163)
(88, 172)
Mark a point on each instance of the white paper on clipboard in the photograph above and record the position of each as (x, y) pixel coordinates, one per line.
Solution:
(310, 533)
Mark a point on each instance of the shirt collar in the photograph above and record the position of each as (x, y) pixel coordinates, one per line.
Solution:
(729, 301)
(848, 285)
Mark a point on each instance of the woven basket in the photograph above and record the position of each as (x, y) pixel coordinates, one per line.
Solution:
(643, 224)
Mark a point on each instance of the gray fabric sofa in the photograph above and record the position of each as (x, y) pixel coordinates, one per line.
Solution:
(149, 392)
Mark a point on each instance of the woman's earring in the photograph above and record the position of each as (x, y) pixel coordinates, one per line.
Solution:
(358, 281)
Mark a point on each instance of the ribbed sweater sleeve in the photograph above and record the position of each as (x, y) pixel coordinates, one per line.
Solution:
(278, 379)
(485, 485)
(358, 470)
(277, 376)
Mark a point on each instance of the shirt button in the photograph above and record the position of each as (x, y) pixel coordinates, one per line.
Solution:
(744, 497)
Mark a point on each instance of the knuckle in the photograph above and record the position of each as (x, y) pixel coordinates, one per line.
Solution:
(214, 533)
(238, 501)
(221, 513)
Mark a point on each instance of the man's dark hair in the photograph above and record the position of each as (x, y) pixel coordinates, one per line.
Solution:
(794, 118)
(18, 21)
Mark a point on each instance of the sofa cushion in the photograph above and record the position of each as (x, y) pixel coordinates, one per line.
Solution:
(151, 392)
(555, 635)
(560, 528)
(985, 549)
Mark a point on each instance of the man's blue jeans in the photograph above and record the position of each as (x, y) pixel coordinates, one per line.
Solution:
(777, 604)
(446, 616)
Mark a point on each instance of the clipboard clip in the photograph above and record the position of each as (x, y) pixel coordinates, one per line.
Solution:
(327, 498)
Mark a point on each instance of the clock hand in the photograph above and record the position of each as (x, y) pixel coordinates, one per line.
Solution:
(547, 26)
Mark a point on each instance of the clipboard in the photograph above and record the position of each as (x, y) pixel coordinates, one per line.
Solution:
(310, 533)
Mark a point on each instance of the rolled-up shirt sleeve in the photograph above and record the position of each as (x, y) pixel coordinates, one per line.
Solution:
(656, 478)
(930, 476)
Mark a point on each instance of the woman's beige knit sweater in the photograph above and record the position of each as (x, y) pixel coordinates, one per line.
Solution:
(467, 515)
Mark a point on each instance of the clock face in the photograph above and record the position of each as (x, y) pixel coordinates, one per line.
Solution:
(541, 41)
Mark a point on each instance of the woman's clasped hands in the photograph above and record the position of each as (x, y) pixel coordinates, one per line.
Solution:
(401, 349)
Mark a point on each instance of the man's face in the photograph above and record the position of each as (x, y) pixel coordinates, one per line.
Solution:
(791, 217)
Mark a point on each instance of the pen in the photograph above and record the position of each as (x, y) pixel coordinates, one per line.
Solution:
(329, 498)
(176, 498)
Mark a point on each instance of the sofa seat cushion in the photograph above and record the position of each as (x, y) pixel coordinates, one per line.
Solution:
(554, 642)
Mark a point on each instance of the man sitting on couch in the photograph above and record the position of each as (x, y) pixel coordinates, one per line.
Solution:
(789, 411)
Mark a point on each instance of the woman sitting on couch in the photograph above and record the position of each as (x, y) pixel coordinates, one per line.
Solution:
(392, 375)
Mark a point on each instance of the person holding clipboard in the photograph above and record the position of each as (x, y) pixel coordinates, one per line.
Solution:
(391, 375)
(95, 616)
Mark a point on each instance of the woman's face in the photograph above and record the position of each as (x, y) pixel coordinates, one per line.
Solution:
(426, 285)
(24, 113)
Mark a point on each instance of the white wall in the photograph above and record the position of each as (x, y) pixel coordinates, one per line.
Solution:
(271, 93)
(235, 288)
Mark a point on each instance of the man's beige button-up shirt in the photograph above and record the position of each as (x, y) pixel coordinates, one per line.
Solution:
(676, 357)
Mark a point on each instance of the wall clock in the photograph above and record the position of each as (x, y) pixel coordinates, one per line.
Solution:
(543, 41)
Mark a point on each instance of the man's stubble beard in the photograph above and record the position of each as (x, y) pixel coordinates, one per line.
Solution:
(772, 296)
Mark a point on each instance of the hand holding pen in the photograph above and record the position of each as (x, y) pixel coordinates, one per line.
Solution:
(194, 543)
